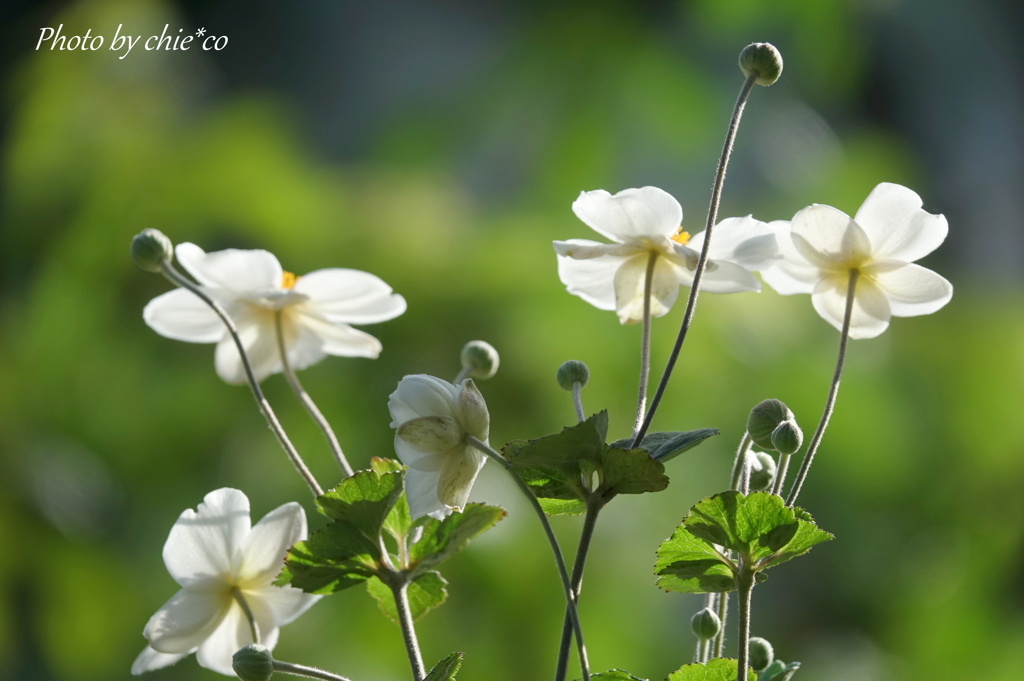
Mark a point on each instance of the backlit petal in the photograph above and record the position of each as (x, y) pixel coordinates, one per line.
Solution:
(911, 289)
(266, 545)
(206, 544)
(150, 660)
(233, 633)
(460, 469)
(829, 239)
(345, 296)
(870, 315)
(420, 459)
(284, 603)
(319, 337)
(630, 283)
(593, 280)
(744, 241)
(793, 273)
(258, 333)
(242, 271)
(183, 622)
(182, 315)
(421, 395)
(899, 228)
(630, 214)
(421, 492)
(431, 433)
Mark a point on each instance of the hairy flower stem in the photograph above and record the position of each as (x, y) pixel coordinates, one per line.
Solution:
(645, 345)
(307, 401)
(586, 537)
(412, 645)
(744, 588)
(577, 400)
(830, 403)
(570, 601)
(254, 628)
(275, 426)
(308, 672)
(723, 610)
(740, 464)
(780, 474)
(698, 275)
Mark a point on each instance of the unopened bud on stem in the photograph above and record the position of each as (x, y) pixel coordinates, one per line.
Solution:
(762, 61)
(705, 624)
(151, 249)
(762, 471)
(253, 663)
(761, 653)
(787, 437)
(764, 419)
(572, 372)
(480, 359)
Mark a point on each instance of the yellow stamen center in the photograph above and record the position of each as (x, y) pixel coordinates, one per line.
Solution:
(681, 236)
(288, 280)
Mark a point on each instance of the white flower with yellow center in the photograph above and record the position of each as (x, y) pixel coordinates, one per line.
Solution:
(221, 563)
(316, 310)
(433, 419)
(822, 246)
(645, 223)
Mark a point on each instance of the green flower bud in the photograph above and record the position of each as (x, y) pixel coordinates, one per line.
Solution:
(571, 372)
(480, 358)
(763, 61)
(150, 249)
(787, 437)
(760, 652)
(764, 419)
(705, 624)
(253, 663)
(762, 471)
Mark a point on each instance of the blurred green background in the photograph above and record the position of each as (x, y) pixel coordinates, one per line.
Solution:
(439, 145)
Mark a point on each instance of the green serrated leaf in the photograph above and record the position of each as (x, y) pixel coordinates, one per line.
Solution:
(718, 669)
(399, 519)
(584, 441)
(425, 593)
(553, 483)
(445, 669)
(562, 506)
(668, 445)
(631, 472)
(364, 500)
(331, 560)
(443, 538)
(688, 564)
(615, 675)
(381, 465)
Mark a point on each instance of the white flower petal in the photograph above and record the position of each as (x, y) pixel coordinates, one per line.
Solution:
(744, 241)
(870, 315)
(206, 544)
(329, 338)
(593, 280)
(899, 229)
(344, 296)
(727, 277)
(582, 249)
(911, 289)
(793, 273)
(421, 395)
(283, 603)
(471, 411)
(264, 549)
(150, 660)
(829, 239)
(183, 622)
(421, 492)
(630, 214)
(431, 433)
(630, 282)
(421, 460)
(242, 271)
(233, 633)
(259, 338)
(461, 466)
(182, 315)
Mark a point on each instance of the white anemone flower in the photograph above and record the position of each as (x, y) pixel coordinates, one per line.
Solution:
(646, 222)
(220, 560)
(433, 418)
(822, 246)
(316, 310)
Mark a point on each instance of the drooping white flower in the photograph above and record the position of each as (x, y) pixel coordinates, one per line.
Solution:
(822, 246)
(316, 310)
(433, 418)
(213, 553)
(647, 221)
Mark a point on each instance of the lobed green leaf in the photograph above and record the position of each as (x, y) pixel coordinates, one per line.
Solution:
(688, 564)
(425, 592)
(446, 669)
(364, 500)
(562, 506)
(399, 520)
(615, 675)
(443, 538)
(564, 450)
(630, 472)
(718, 669)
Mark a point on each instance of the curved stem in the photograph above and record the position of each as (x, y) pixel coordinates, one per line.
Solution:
(577, 400)
(698, 275)
(463, 375)
(830, 403)
(576, 581)
(780, 474)
(570, 601)
(307, 401)
(275, 426)
(254, 628)
(744, 588)
(308, 672)
(741, 461)
(645, 345)
(412, 645)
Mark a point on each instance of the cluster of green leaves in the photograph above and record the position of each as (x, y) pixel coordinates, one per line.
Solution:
(731, 533)
(574, 469)
(372, 538)
(718, 669)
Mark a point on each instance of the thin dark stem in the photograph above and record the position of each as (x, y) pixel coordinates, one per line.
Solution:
(691, 303)
(307, 402)
(586, 537)
(645, 345)
(741, 461)
(555, 549)
(254, 628)
(412, 646)
(744, 589)
(830, 403)
(577, 400)
(275, 426)
(308, 672)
